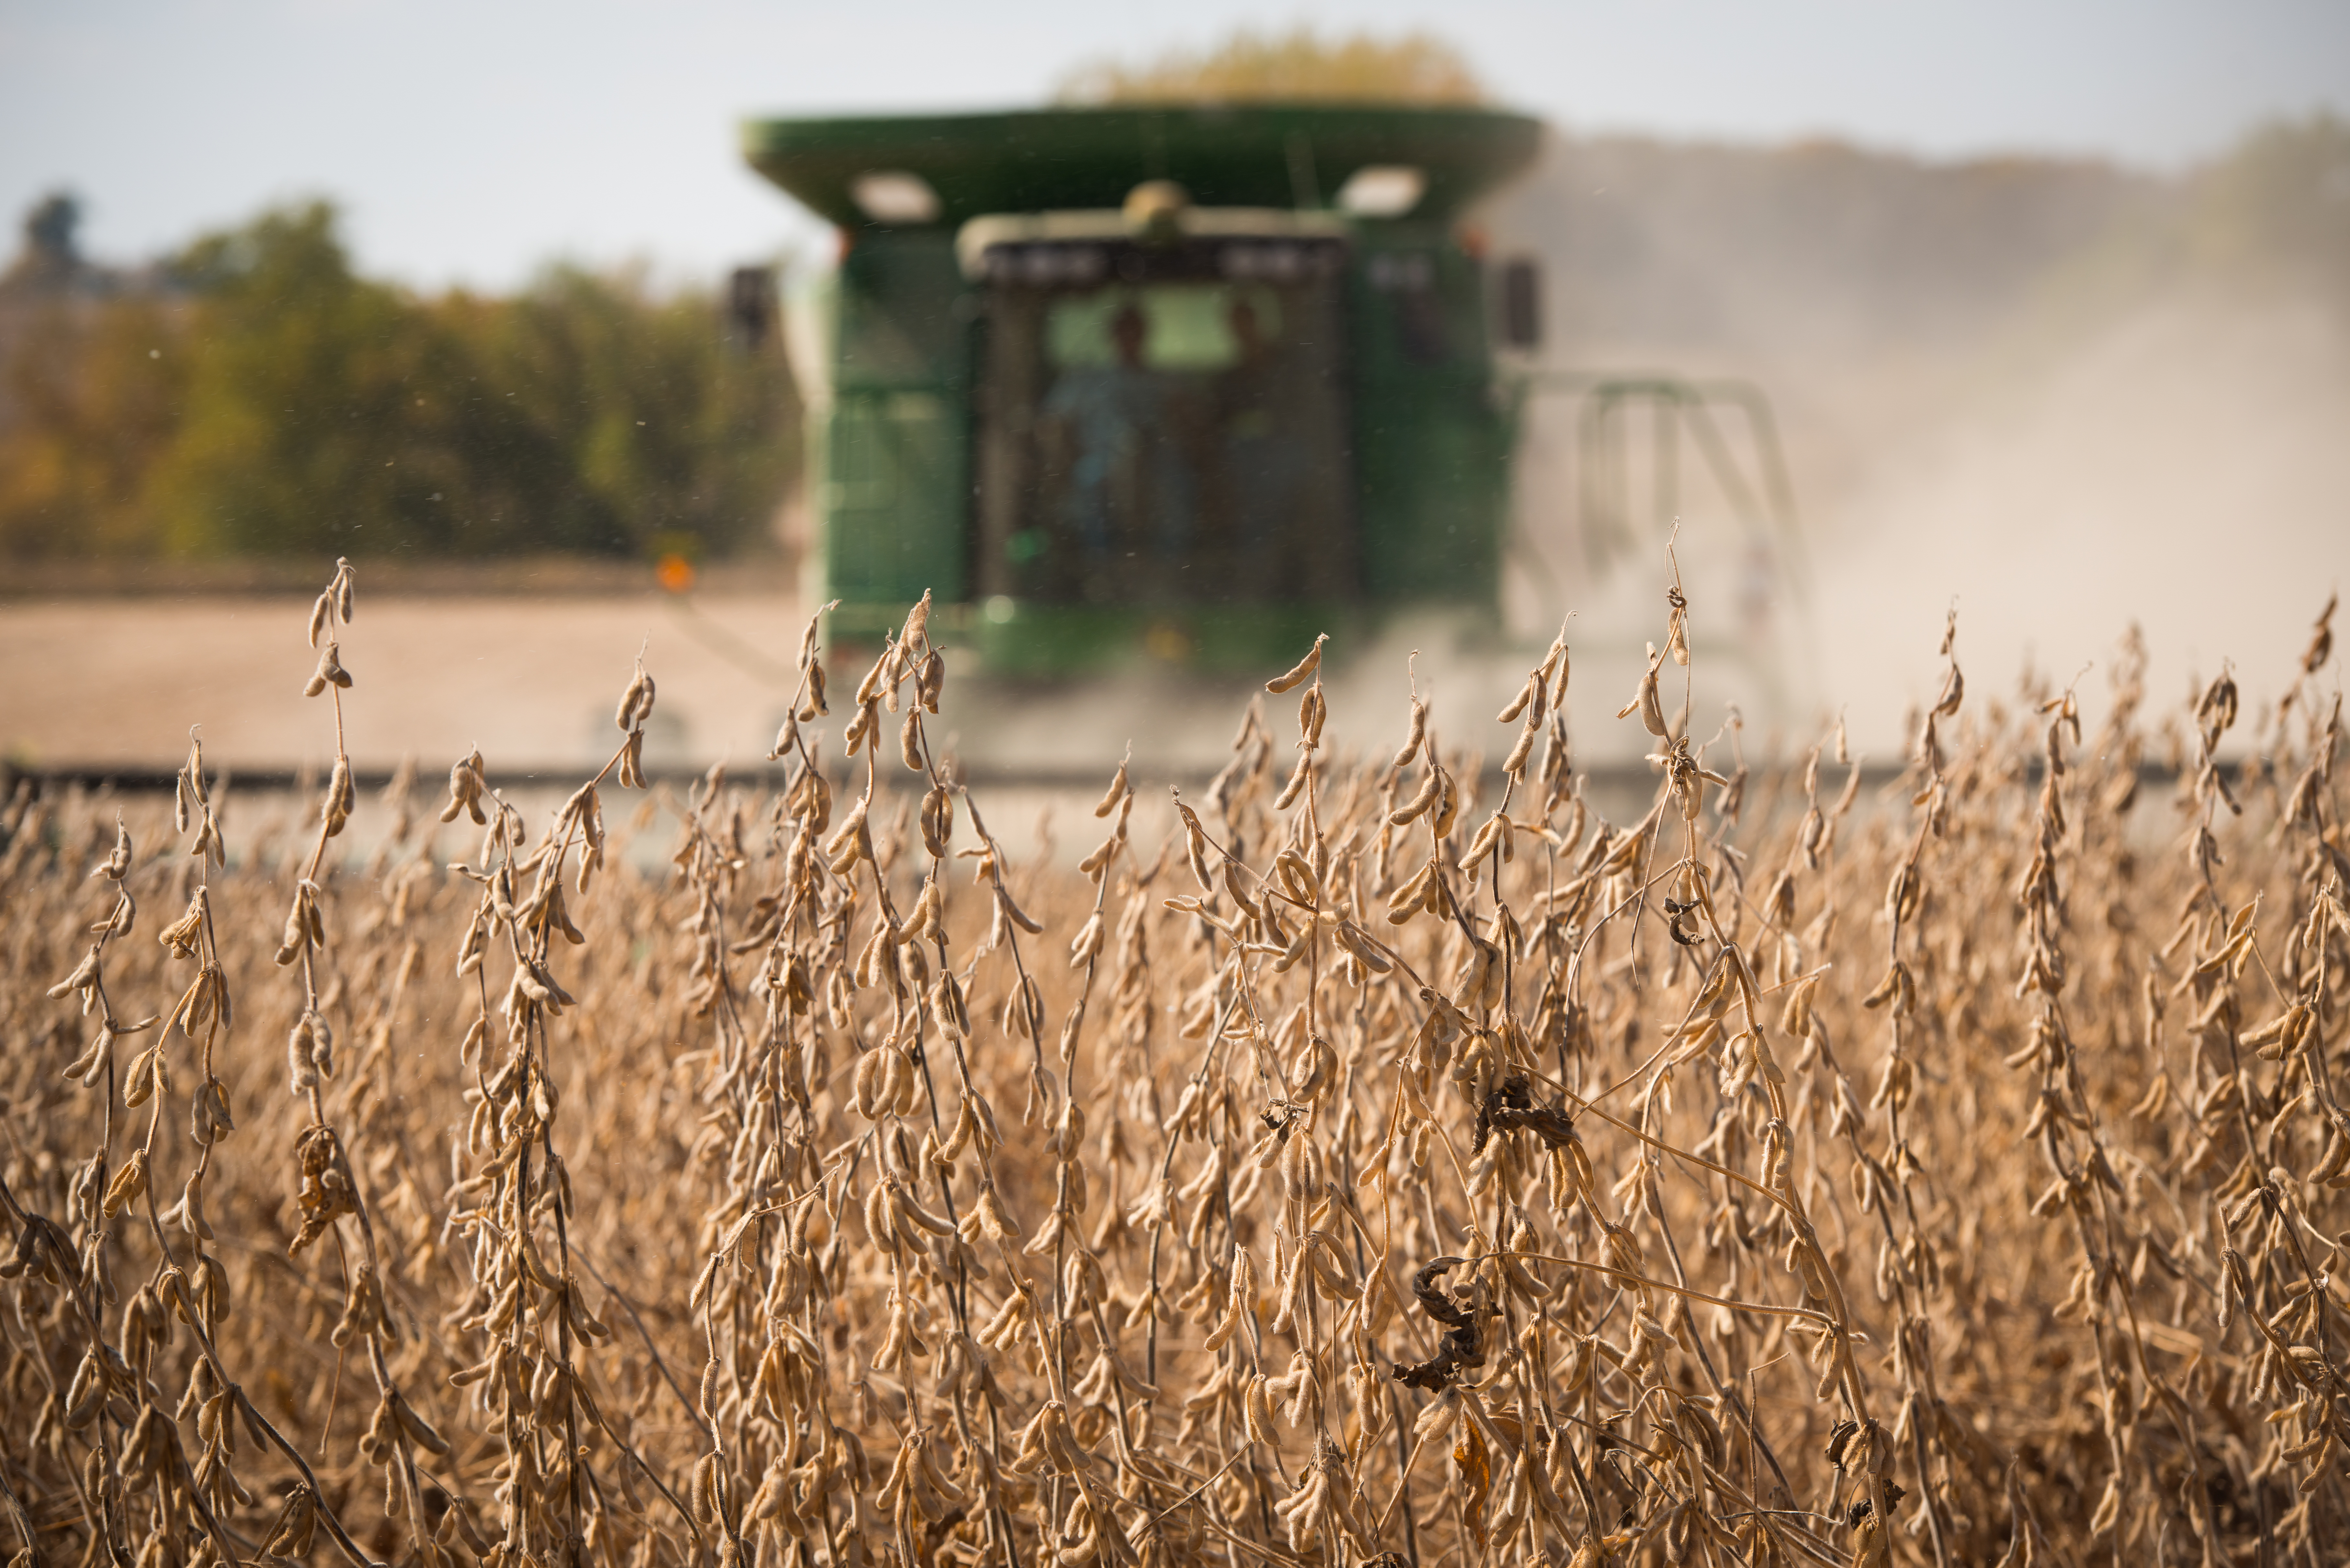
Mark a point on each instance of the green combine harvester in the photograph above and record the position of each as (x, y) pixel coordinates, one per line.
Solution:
(1177, 386)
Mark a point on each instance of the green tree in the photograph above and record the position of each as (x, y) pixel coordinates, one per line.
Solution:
(93, 395)
(1298, 65)
(268, 400)
(326, 414)
(2279, 203)
(648, 426)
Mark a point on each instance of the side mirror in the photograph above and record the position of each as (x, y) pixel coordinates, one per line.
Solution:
(750, 307)
(1522, 305)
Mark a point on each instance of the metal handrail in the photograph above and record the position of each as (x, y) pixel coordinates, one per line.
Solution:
(1763, 500)
(1770, 499)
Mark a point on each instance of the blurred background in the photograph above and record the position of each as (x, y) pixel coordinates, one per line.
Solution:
(2052, 301)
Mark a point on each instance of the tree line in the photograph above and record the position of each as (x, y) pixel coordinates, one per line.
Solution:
(255, 396)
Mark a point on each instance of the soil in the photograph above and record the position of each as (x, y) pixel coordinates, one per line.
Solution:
(116, 683)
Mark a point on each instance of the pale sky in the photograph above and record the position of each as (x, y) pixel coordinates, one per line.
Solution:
(470, 140)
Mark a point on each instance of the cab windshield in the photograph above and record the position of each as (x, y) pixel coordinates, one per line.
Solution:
(1164, 424)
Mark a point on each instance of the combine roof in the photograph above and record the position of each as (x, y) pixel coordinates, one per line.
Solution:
(1224, 156)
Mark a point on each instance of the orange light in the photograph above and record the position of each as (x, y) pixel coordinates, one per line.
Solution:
(1166, 641)
(675, 573)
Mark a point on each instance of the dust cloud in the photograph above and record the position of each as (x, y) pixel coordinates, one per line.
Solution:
(2011, 388)
(2188, 470)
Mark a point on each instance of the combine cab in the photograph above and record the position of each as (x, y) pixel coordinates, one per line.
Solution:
(1170, 386)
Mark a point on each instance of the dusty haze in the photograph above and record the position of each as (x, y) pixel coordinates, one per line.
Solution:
(2057, 395)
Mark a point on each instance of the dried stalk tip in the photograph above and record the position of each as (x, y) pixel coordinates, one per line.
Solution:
(465, 785)
(335, 811)
(1413, 737)
(1118, 790)
(1301, 670)
(1645, 700)
(331, 673)
(636, 702)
